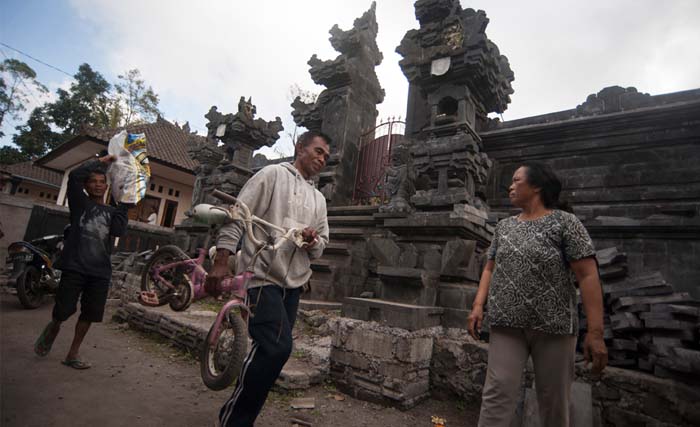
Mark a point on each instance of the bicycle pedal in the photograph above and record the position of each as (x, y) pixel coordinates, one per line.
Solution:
(149, 299)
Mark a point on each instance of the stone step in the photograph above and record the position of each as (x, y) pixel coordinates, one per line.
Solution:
(349, 233)
(352, 220)
(309, 304)
(407, 316)
(351, 210)
(340, 248)
(322, 264)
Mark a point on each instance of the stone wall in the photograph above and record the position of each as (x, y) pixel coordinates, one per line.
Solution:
(400, 368)
(628, 165)
(620, 398)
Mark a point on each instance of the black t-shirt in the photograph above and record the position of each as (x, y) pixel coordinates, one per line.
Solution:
(89, 245)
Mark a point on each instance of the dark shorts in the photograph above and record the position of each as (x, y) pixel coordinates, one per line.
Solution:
(92, 292)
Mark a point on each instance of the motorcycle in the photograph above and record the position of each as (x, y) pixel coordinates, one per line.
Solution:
(31, 268)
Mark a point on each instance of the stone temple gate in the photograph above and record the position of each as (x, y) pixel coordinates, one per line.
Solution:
(628, 162)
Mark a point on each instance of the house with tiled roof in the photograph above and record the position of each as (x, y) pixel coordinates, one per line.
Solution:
(30, 181)
(172, 169)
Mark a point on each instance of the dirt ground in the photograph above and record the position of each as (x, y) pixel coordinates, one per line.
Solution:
(138, 380)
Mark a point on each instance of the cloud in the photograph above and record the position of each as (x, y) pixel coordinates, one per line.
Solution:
(210, 53)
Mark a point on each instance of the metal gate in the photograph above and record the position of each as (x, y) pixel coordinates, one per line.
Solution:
(374, 158)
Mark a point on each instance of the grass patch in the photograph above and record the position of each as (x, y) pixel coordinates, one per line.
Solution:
(209, 304)
(329, 386)
(299, 354)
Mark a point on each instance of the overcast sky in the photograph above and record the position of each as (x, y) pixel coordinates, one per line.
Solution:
(199, 54)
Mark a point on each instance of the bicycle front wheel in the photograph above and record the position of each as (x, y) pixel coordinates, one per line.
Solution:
(220, 362)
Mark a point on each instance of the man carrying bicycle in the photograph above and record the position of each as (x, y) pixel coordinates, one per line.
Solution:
(283, 195)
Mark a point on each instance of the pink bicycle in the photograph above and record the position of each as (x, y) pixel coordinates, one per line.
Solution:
(171, 277)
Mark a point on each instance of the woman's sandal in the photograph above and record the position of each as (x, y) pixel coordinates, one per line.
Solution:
(42, 346)
(76, 364)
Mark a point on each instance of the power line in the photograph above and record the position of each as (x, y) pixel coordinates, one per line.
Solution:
(37, 60)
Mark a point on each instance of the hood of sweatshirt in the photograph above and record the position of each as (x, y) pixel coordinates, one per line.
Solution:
(291, 168)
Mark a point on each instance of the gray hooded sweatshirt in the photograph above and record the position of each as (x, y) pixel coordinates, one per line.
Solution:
(281, 196)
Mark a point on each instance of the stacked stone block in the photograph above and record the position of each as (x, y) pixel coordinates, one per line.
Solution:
(382, 364)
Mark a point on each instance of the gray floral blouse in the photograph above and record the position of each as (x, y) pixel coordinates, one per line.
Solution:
(532, 286)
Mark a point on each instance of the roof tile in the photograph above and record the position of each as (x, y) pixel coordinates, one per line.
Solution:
(166, 142)
(31, 171)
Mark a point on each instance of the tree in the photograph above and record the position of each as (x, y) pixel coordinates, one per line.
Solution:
(11, 155)
(306, 96)
(32, 140)
(87, 102)
(16, 78)
(36, 138)
(90, 100)
(137, 103)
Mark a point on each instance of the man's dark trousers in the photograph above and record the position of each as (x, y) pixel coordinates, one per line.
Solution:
(275, 310)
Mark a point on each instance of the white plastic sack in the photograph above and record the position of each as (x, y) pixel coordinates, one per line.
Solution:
(130, 172)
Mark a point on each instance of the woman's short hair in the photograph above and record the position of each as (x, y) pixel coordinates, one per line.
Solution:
(308, 136)
(542, 176)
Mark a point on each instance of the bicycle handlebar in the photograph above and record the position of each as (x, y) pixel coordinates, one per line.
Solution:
(238, 211)
(224, 197)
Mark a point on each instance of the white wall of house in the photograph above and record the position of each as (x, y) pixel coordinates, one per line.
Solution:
(33, 191)
(166, 189)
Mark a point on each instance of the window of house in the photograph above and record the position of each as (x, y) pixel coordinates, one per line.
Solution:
(26, 191)
(160, 188)
(41, 194)
(177, 193)
(170, 191)
(55, 197)
(153, 187)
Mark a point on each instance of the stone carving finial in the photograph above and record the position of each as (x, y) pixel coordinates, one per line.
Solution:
(246, 109)
(613, 99)
(225, 158)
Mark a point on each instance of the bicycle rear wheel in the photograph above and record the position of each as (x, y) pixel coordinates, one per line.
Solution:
(221, 362)
(165, 255)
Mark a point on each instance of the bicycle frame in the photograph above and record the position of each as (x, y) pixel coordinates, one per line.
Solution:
(236, 285)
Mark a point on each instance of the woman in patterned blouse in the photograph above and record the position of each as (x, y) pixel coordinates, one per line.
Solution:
(532, 301)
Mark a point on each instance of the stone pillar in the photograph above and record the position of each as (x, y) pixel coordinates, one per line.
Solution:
(347, 108)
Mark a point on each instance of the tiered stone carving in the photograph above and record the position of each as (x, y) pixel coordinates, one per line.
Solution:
(225, 160)
(228, 167)
(348, 105)
(456, 77)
